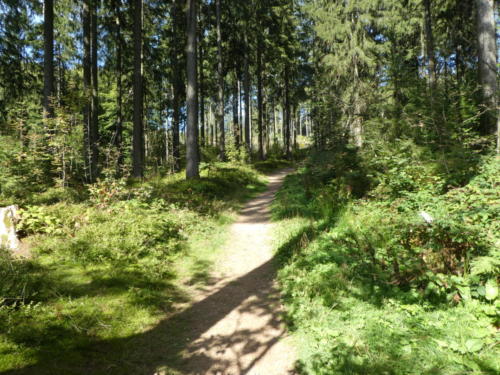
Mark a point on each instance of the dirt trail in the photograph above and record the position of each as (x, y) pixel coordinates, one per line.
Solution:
(237, 328)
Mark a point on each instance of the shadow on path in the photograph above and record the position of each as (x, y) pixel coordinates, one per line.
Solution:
(178, 344)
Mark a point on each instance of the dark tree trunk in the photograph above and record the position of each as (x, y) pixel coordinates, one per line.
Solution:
(260, 106)
(48, 59)
(87, 83)
(192, 156)
(286, 111)
(118, 138)
(246, 89)
(94, 122)
(220, 96)
(201, 95)
(177, 81)
(486, 33)
(138, 133)
(236, 125)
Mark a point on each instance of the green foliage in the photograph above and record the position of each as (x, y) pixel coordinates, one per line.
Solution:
(370, 287)
(108, 268)
(21, 280)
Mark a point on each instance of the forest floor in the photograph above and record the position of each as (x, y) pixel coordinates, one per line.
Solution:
(235, 322)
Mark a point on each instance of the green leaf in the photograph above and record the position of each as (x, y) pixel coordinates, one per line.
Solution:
(474, 345)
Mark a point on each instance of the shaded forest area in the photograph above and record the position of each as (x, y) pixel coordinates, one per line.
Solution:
(146, 124)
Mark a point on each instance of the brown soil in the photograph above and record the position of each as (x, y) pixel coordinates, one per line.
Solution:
(236, 327)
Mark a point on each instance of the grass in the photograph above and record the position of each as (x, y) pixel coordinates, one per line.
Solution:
(107, 271)
(347, 312)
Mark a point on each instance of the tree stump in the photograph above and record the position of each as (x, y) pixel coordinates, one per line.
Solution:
(9, 217)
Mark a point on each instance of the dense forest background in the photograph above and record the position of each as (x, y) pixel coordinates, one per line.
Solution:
(99, 87)
(145, 123)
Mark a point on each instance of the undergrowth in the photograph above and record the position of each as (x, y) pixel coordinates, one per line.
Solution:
(106, 268)
(388, 265)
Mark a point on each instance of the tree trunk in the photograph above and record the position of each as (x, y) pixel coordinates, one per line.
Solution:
(236, 125)
(246, 84)
(286, 110)
(94, 122)
(260, 106)
(87, 82)
(192, 156)
(201, 95)
(177, 82)
(48, 59)
(220, 98)
(138, 133)
(118, 138)
(486, 33)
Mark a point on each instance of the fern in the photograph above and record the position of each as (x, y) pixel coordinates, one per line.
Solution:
(485, 265)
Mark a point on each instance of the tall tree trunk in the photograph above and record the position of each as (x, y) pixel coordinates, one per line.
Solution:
(118, 138)
(286, 110)
(246, 89)
(48, 59)
(94, 122)
(138, 133)
(201, 94)
(486, 33)
(87, 83)
(177, 81)
(236, 125)
(260, 106)
(192, 156)
(220, 74)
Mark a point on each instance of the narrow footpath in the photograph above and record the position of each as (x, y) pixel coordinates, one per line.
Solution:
(236, 327)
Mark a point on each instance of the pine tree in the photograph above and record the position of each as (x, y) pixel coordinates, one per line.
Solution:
(192, 156)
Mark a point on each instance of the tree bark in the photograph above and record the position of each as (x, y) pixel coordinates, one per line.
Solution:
(260, 105)
(48, 59)
(286, 111)
(192, 156)
(118, 138)
(246, 89)
(94, 122)
(202, 95)
(177, 82)
(87, 82)
(220, 92)
(236, 125)
(486, 33)
(138, 132)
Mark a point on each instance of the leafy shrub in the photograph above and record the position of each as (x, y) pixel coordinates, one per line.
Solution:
(36, 220)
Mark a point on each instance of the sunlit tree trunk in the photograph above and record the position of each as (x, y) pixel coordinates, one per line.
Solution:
(486, 33)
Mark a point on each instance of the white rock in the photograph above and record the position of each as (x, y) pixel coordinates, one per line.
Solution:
(428, 218)
(8, 219)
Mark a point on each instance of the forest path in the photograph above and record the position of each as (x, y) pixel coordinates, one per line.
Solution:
(236, 327)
